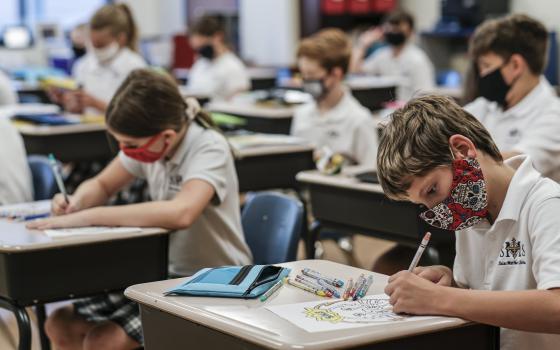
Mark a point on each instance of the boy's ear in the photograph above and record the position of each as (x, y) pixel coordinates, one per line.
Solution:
(462, 147)
(518, 64)
(338, 73)
(121, 39)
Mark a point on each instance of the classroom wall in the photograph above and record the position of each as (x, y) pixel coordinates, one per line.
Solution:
(157, 18)
(427, 12)
(269, 31)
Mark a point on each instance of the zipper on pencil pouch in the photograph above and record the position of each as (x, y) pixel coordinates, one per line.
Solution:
(241, 275)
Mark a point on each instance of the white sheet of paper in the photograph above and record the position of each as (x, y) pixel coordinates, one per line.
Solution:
(95, 230)
(331, 315)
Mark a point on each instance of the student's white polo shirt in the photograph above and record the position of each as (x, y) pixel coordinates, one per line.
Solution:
(520, 251)
(348, 128)
(216, 237)
(531, 127)
(412, 66)
(221, 77)
(102, 80)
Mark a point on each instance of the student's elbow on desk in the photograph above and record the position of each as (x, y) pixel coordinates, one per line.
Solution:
(182, 216)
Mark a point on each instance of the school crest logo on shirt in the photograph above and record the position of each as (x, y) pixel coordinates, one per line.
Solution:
(512, 253)
(333, 134)
(175, 182)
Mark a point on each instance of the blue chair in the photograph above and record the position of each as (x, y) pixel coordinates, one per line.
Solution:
(44, 182)
(273, 224)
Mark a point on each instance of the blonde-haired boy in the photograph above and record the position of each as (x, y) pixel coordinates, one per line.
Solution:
(335, 118)
(505, 214)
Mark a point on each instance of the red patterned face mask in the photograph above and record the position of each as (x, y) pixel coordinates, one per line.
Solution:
(143, 154)
(467, 203)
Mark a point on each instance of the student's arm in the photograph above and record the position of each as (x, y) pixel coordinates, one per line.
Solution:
(529, 310)
(365, 40)
(177, 213)
(96, 191)
(89, 100)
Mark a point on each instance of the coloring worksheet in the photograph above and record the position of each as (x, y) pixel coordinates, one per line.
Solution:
(338, 314)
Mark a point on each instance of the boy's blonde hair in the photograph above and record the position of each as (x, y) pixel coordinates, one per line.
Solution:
(416, 141)
(330, 47)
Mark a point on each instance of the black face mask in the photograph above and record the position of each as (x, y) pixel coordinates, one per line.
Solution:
(493, 87)
(207, 51)
(395, 38)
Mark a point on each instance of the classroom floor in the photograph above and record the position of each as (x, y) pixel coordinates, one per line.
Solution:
(366, 250)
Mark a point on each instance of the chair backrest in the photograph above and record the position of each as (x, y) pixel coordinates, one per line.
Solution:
(272, 223)
(44, 182)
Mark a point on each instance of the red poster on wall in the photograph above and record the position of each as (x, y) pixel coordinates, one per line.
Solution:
(358, 7)
(382, 5)
(333, 7)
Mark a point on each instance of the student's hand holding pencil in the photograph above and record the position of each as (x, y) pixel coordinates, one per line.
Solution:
(60, 206)
(438, 274)
(412, 294)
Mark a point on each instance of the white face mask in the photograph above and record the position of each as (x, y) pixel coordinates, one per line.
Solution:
(106, 53)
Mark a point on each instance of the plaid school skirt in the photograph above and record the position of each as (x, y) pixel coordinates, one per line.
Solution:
(113, 307)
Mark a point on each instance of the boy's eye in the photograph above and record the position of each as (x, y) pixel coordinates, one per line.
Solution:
(432, 190)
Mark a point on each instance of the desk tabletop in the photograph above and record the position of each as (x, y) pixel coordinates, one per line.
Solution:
(190, 92)
(254, 145)
(14, 238)
(365, 82)
(251, 109)
(271, 150)
(347, 179)
(251, 321)
(51, 130)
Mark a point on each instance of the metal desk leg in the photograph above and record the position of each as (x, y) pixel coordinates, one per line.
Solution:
(312, 236)
(22, 318)
(41, 318)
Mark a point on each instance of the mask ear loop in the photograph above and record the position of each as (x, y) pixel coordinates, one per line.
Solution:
(451, 151)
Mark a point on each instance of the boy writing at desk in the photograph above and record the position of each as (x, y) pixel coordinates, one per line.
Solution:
(505, 214)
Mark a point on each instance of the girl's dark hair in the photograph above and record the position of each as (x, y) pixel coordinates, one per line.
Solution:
(147, 103)
(118, 18)
(208, 26)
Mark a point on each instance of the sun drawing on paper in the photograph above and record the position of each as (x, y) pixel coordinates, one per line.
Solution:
(359, 311)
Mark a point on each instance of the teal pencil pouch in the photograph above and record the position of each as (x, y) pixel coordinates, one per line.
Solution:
(249, 281)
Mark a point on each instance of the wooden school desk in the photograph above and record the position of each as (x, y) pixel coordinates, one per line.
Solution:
(36, 269)
(260, 118)
(372, 92)
(344, 204)
(271, 167)
(221, 323)
(70, 143)
(262, 77)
